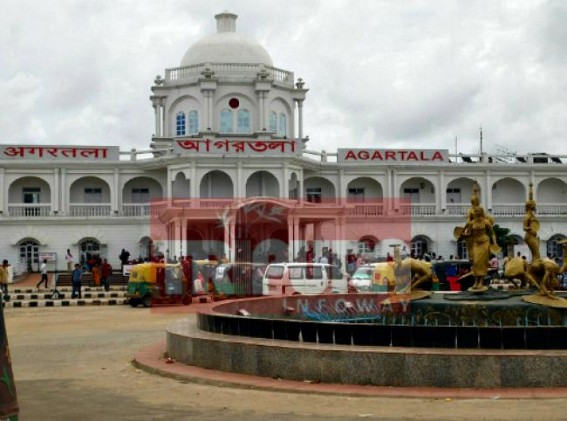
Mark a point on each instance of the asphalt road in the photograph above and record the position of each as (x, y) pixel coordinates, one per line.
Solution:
(75, 364)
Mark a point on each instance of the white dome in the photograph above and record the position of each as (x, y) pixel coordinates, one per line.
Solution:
(226, 46)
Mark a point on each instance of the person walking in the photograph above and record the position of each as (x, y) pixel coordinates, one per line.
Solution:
(77, 279)
(4, 276)
(43, 270)
(105, 272)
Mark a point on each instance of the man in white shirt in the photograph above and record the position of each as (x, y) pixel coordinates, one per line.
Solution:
(43, 270)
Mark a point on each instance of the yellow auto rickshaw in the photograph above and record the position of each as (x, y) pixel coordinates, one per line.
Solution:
(158, 283)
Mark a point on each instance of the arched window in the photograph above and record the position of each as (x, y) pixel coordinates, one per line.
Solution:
(90, 249)
(243, 121)
(226, 121)
(462, 252)
(273, 122)
(367, 244)
(554, 248)
(283, 125)
(146, 248)
(419, 246)
(180, 124)
(193, 118)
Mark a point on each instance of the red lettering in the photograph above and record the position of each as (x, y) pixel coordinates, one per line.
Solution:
(437, 156)
(350, 155)
(377, 155)
(413, 156)
(391, 155)
(364, 155)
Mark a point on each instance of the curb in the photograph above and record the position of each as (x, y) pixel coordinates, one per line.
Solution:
(63, 303)
(151, 359)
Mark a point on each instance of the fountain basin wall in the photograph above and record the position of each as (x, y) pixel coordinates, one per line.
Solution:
(416, 355)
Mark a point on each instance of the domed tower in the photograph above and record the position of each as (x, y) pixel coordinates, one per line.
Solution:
(226, 86)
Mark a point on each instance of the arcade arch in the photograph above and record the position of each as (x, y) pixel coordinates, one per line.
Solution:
(216, 184)
(262, 183)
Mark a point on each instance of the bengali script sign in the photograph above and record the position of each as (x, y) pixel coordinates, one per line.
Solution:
(65, 152)
(393, 156)
(280, 147)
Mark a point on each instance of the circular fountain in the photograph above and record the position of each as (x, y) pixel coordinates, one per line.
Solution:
(476, 339)
(357, 339)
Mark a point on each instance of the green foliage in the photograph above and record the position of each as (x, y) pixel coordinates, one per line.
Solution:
(503, 237)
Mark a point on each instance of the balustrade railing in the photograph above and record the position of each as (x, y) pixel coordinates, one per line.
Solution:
(29, 210)
(87, 210)
(510, 209)
(457, 208)
(136, 209)
(179, 73)
(551, 209)
(365, 210)
(420, 209)
(37, 210)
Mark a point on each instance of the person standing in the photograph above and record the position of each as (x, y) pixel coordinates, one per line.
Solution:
(124, 258)
(105, 272)
(4, 276)
(77, 279)
(43, 270)
(187, 269)
(95, 271)
(69, 260)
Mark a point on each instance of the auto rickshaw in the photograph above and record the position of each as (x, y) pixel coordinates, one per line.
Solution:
(203, 275)
(157, 283)
(238, 279)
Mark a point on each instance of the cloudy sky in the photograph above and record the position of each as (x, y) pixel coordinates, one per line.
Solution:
(384, 74)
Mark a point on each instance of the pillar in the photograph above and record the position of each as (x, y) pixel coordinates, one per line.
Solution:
(300, 120)
(55, 199)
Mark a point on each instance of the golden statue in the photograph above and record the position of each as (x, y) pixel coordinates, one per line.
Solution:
(418, 271)
(480, 239)
(564, 267)
(541, 272)
(409, 273)
(531, 226)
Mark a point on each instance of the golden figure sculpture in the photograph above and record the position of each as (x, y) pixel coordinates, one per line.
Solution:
(531, 226)
(408, 273)
(540, 272)
(418, 271)
(564, 267)
(480, 239)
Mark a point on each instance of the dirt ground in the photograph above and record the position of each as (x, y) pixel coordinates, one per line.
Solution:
(74, 364)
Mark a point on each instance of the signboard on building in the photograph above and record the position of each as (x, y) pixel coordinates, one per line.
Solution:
(60, 153)
(238, 147)
(393, 156)
(50, 256)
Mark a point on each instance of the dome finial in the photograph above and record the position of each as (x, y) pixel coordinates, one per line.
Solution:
(226, 22)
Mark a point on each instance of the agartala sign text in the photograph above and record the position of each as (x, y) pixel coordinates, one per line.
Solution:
(393, 156)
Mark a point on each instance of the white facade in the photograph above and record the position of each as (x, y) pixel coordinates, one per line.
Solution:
(229, 127)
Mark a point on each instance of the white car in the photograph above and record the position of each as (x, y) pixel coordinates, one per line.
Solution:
(303, 278)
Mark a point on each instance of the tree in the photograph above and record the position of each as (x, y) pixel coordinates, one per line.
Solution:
(503, 238)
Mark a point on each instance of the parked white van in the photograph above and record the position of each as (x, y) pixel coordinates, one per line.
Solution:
(303, 278)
